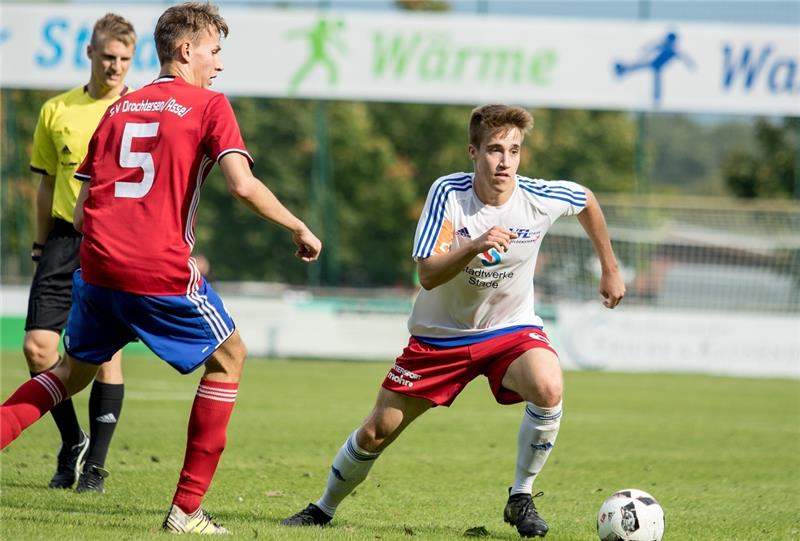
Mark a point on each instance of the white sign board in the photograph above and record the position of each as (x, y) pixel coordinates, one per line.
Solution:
(641, 339)
(442, 58)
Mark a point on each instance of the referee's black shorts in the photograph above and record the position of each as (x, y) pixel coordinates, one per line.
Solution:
(51, 290)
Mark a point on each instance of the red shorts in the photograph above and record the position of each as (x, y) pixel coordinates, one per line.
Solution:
(438, 374)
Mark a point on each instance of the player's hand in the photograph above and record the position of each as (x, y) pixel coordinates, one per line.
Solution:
(497, 237)
(612, 288)
(36, 255)
(308, 245)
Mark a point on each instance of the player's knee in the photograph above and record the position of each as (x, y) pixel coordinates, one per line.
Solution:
(550, 394)
(237, 353)
(545, 394)
(234, 350)
(241, 352)
(228, 360)
(39, 357)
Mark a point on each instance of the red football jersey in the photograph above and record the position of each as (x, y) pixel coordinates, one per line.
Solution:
(146, 163)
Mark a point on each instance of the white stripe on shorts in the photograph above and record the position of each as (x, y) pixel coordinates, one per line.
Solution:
(211, 315)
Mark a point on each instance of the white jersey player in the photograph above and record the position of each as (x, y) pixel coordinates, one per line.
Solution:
(476, 247)
(494, 291)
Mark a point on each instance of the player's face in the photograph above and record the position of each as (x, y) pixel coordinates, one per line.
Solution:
(111, 60)
(205, 60)
(497, 160)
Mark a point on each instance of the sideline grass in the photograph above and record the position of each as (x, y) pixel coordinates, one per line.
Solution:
(722, 455)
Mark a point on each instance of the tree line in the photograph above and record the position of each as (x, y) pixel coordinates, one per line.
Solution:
(359, 172)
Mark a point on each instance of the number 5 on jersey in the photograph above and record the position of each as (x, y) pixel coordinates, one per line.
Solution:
(141, 160)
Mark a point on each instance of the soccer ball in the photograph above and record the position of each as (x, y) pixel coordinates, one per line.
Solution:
(630, 515)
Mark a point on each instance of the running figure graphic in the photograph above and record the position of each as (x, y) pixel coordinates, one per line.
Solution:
(656, 58)
(319, 36)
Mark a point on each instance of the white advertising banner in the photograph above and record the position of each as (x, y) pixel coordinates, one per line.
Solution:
(442, 58)
(640, 339)
(586, 336)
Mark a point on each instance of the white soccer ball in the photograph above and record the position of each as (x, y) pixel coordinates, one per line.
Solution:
(630, 515)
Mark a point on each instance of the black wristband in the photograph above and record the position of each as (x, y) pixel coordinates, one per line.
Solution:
(36, 257)
(37, 246)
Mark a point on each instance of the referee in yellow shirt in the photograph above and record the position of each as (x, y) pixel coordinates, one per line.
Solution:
(65, 126)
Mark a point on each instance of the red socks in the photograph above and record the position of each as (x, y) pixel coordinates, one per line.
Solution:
(208, 425)
(31, 400)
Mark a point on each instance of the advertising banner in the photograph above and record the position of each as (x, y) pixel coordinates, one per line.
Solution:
(442, 58)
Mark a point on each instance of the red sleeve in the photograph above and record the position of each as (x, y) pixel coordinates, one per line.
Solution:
(221, 133)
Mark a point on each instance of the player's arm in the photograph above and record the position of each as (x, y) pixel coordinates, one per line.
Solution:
(77, 212)
(440, 268)
(44, 210)
(260, 199)
(612, 286)
(44, 160)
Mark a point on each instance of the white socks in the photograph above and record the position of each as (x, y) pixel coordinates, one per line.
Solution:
(350, 466)
(537, 435)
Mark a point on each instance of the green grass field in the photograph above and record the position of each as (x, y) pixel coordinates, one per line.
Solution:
(722, 456)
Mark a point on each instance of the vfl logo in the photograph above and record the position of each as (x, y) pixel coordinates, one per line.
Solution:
(655, 57)
(490, 258)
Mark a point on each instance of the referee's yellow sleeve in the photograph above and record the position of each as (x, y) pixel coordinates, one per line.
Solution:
(44, 158)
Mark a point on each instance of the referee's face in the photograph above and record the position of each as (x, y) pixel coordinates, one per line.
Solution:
(110, 62)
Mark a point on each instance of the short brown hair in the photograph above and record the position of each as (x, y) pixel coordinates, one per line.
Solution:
(113, 26)
(490, 119)
(189, 19)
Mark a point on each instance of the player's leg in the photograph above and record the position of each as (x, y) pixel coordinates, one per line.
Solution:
(48, 307)
(41, 352)
(208, 422)
(392, 413)
(92, 336)
(536, 377)
(105, 406)
(38, 395)
(188, 331)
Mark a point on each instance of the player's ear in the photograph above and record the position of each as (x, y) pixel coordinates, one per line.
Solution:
(185, 50)
(89, 51)
(473, 152)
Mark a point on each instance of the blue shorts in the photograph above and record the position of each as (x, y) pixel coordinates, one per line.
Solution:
(184, 330)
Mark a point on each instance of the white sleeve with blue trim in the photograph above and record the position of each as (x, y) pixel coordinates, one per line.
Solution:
(560, 197)
(436, 220)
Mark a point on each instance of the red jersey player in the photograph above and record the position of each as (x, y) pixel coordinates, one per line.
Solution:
(142, 177)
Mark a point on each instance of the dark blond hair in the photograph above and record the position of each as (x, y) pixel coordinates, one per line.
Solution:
(487, 120)
(113, 26)
(186, 20)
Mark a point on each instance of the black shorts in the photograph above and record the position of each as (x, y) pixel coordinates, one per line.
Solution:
(51, 290)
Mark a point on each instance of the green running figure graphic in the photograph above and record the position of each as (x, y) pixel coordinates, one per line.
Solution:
(319, 36)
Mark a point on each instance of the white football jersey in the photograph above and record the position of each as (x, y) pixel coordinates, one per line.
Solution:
(495, 290)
